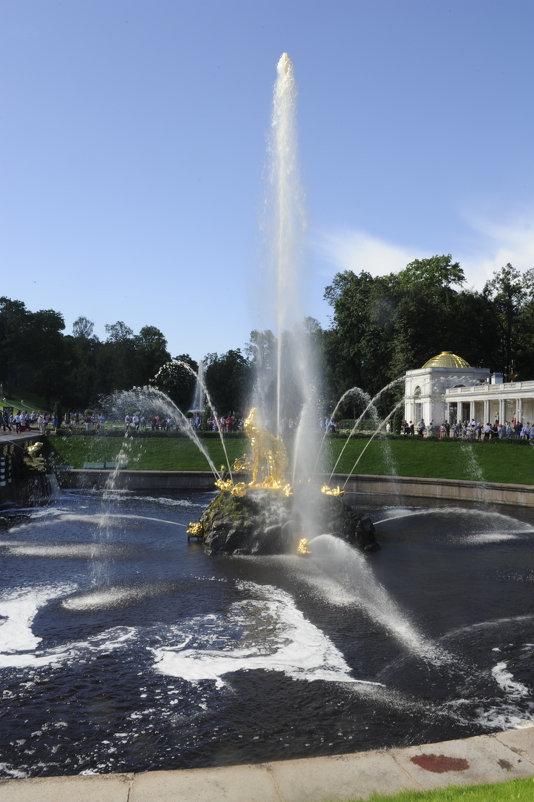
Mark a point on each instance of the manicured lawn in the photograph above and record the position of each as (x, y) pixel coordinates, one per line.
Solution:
(501, 792)
(163, 453)
(496, 461)
(31, 403)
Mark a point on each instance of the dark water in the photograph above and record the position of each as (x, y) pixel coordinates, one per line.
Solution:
(124, 648)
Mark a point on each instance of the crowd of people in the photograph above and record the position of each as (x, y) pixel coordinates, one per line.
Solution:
(20, 421)
(471, 430)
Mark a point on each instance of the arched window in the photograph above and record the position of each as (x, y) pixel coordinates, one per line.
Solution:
(418, 406)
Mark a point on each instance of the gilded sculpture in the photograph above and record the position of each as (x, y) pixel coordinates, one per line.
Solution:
(269, 456)
(31, 457)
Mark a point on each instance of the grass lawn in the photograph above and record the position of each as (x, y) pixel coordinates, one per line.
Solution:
(501, 792)
(496, 461)
(166, 452)
(31, 403)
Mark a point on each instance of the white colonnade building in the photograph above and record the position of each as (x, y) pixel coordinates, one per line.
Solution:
(448, 389)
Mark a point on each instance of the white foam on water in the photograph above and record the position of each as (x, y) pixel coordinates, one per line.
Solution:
(109, 640)
(6, 768)
(19, 646)
(516, 711)
(19, 609)
(264, 631)
(505, 680)
(503, 717)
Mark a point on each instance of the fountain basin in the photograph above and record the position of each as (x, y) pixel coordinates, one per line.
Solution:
(123, 648)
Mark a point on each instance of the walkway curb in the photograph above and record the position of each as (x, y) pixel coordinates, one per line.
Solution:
(492, 758)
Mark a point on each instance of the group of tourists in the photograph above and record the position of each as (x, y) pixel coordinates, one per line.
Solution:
(329, 425)
(230, 423)
(471, 430)
(162, 423)
(23, 420)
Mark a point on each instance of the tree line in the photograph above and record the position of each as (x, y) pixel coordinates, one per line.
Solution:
(380, 327)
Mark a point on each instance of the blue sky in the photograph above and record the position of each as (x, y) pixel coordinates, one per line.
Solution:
(133, 150)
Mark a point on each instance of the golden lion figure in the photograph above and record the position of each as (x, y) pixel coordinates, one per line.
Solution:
(32, 459)
(269, 457)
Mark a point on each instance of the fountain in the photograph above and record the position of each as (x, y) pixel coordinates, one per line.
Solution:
(124, 647)
(199, 395)
(281, 504)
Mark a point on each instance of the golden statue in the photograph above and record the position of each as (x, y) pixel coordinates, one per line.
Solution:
(31, 457)
(302, 547)
(269, 457)
(238, 490)
(241, 464)
(195, 530)
(224, 484)
(332, 491)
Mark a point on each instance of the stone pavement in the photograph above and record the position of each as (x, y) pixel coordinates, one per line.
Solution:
(12, 436)
(483, 759)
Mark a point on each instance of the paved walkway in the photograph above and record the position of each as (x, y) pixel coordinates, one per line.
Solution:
(13, 437)
(483, 759)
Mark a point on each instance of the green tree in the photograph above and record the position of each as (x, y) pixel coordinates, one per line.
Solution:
(14, 341)
(82, 328)
(229, 379)
(151, 353)
(425, 314)
(359, 345)
(177, 381)
(47, 356)
(511, 295)
(82, 382)
(385, 325)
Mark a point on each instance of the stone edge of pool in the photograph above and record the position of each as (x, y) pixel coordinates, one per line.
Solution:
(493, 758)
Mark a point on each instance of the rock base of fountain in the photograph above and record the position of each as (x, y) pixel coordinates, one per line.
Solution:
(263, 522)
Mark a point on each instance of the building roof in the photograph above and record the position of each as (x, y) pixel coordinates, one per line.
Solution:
(446, 360)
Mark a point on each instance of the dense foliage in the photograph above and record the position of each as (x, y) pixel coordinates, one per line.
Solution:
(385, 325)
(38, 358)
(381, 326)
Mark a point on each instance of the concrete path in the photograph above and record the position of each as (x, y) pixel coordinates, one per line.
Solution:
(13, 437)
(484, 759)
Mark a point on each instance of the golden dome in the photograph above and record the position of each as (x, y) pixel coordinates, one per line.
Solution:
(446, 360)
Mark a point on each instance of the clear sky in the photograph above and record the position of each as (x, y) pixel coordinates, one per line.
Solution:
(133, 150)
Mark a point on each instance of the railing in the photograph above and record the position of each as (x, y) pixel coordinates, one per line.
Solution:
(514, 389)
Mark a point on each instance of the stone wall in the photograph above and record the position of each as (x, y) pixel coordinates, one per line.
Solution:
(386, 489)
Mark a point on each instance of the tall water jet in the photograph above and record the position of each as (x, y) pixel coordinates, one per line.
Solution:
(292, 405)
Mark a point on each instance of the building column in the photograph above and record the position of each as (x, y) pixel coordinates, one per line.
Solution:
(486, 412)
(502, 410)
(472, 413)
(519, 409)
